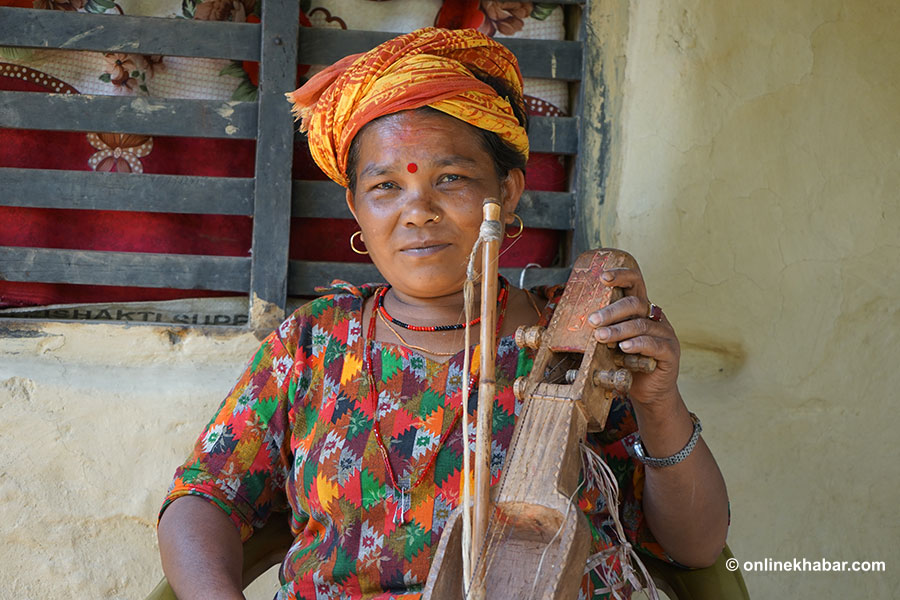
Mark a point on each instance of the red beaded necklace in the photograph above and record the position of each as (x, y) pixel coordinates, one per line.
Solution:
(379, 305)
(400, 513)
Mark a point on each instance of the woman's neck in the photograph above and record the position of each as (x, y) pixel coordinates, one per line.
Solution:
(439, 310)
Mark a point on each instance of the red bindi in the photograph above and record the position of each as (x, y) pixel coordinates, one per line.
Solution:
(412, 167)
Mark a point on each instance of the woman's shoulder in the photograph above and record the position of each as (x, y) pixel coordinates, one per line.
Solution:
(338, 307)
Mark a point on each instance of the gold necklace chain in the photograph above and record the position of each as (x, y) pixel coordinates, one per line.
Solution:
(405, 343)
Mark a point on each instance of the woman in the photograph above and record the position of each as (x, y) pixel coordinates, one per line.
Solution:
(348, 414)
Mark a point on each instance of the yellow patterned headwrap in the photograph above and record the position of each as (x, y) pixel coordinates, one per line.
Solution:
(428, 67)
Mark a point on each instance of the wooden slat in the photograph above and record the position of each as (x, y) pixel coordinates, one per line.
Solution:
(88, 190)
(556, 135)
(547, 59)
(543, 59)
(318, 200)
(274, 159)
(325, 200)
(30, 28)
(141, 115)
(305, 276)
(196, 118)
(547, 210)
(139, 269)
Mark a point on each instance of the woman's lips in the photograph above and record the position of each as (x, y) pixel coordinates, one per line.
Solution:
(425, 250)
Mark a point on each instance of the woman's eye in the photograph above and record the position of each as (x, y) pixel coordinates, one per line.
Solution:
(450, 178)
(384, 185)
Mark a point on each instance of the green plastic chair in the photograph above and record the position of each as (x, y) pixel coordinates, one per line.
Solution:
(715, 582)
(269, 545)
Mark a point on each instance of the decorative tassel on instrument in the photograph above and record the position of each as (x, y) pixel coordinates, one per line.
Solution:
(601, 476)
(475, 527)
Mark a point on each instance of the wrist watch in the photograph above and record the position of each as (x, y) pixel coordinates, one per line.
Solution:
(641, 453)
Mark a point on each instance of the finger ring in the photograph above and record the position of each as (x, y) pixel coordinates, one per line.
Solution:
(655, 313)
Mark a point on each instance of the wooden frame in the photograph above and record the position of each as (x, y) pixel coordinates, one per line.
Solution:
(270, 197)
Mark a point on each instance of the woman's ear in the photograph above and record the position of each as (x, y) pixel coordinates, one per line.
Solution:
(351, 202)
(512, 188)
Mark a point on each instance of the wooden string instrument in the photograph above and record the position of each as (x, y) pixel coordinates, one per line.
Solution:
(538, 541)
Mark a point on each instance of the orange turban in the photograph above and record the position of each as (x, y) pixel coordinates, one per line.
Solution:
(428, 67)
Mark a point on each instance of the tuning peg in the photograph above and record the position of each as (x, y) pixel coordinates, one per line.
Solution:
(529, 336)
(618, 380)
(635, 362)
(519, 388)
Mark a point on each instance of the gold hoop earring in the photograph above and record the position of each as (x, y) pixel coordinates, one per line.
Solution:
(521, 227)
(352, 247)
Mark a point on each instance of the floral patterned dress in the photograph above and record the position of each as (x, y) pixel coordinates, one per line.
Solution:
(296, 434)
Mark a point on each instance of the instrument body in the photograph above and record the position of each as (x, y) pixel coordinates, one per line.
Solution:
(540, 540)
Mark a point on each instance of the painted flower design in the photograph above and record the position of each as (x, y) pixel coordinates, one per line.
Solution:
(505, 17)
(119, 151)
(224, 10)
(487, 16)
(121, 70)
(154, 63)
(69, 5)
(247, 71)
(130, 72)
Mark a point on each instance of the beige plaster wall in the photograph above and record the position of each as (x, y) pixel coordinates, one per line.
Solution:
(759, 187)
(93, 420)
(756, 176)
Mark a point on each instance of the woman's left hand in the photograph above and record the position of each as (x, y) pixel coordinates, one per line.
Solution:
(627, 322)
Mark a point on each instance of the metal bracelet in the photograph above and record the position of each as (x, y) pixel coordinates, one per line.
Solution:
(641, 453)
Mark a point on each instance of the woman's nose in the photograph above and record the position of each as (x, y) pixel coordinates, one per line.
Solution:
(420, 208)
